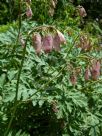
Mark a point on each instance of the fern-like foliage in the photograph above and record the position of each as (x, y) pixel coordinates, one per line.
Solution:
(48, 104)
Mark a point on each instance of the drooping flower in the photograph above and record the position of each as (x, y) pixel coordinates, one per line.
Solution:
(36, 40)
(82, 11)
(61, 37)
(95, 71)
(29, 12)
(57, 40)
(47, 43)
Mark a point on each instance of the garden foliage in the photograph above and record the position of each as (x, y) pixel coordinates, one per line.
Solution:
(53, 92)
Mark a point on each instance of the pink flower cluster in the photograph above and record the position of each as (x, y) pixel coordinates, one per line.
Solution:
(91, 72)
(48, 43)
(94, 71)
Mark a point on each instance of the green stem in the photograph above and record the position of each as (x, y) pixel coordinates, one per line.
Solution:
(17, 87)
(72, 45)
(92, 83)
(10, 122)
(19, 27)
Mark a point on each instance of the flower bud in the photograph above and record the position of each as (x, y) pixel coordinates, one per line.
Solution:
(29, 12)
(36, 40)
(47, 43)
